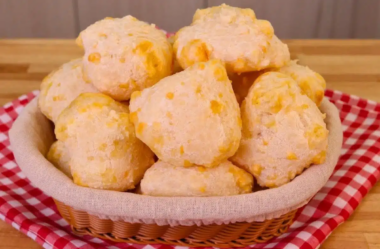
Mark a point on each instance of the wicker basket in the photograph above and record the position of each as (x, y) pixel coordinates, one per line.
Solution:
(231, 221)
(225, 236)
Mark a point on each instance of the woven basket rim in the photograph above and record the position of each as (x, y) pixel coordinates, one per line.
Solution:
(221, 236)
(258, 206)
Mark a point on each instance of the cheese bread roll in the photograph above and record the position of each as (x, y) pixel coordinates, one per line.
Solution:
(234, 36)
(191, 117)
(163, 179)
(101, 140)
(123, 55)
(61, 87)
(283, 131)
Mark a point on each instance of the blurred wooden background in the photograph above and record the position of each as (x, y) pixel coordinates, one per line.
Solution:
(290, 18)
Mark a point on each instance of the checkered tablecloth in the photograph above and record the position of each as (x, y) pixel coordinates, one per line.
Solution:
(29, 210)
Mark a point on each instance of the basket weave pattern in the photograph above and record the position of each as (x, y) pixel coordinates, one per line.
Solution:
(226, 235)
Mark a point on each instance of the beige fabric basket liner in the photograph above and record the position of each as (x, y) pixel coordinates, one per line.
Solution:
(32, 134)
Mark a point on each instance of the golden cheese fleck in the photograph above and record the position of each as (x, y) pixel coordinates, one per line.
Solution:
(291, 156)
(271, 185)
(271, 124)
(194, 51)
(201, 169)
(199, 89)
(61, 131)
(170, 95)
(97, 105)
(78, 180)
(256, 99)
(241, 178)
(319, 96)
(103, 147)
(135, 95)
(143, 47)
(111, 124)
(152, 64)
(59, 97)
(220, 74)
(320, 158)
(239, 64)
(94, 58)
(272, 177)
(291, 175)
(140, 128)
(158, 141)
(315, 135)
(214, 62)
(187, 163)
(257, 169)
(239, 121)
(277, 105)
(215, 106)
(134, 118)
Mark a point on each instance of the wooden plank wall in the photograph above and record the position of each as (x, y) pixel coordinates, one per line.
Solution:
(290, 18)
(166, 14)
(37, 18)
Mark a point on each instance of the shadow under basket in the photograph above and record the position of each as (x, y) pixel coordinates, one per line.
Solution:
(227, 235)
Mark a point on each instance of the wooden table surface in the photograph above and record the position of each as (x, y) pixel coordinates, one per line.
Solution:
(351, 66)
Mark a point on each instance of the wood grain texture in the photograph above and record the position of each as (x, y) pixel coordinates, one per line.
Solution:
(10, 238)
(37, 18)
(169, 15)
(351, 66)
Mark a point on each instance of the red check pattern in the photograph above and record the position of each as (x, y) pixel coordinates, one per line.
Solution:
(29, 210)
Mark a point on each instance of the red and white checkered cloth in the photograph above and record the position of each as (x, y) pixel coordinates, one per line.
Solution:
(29, 210)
